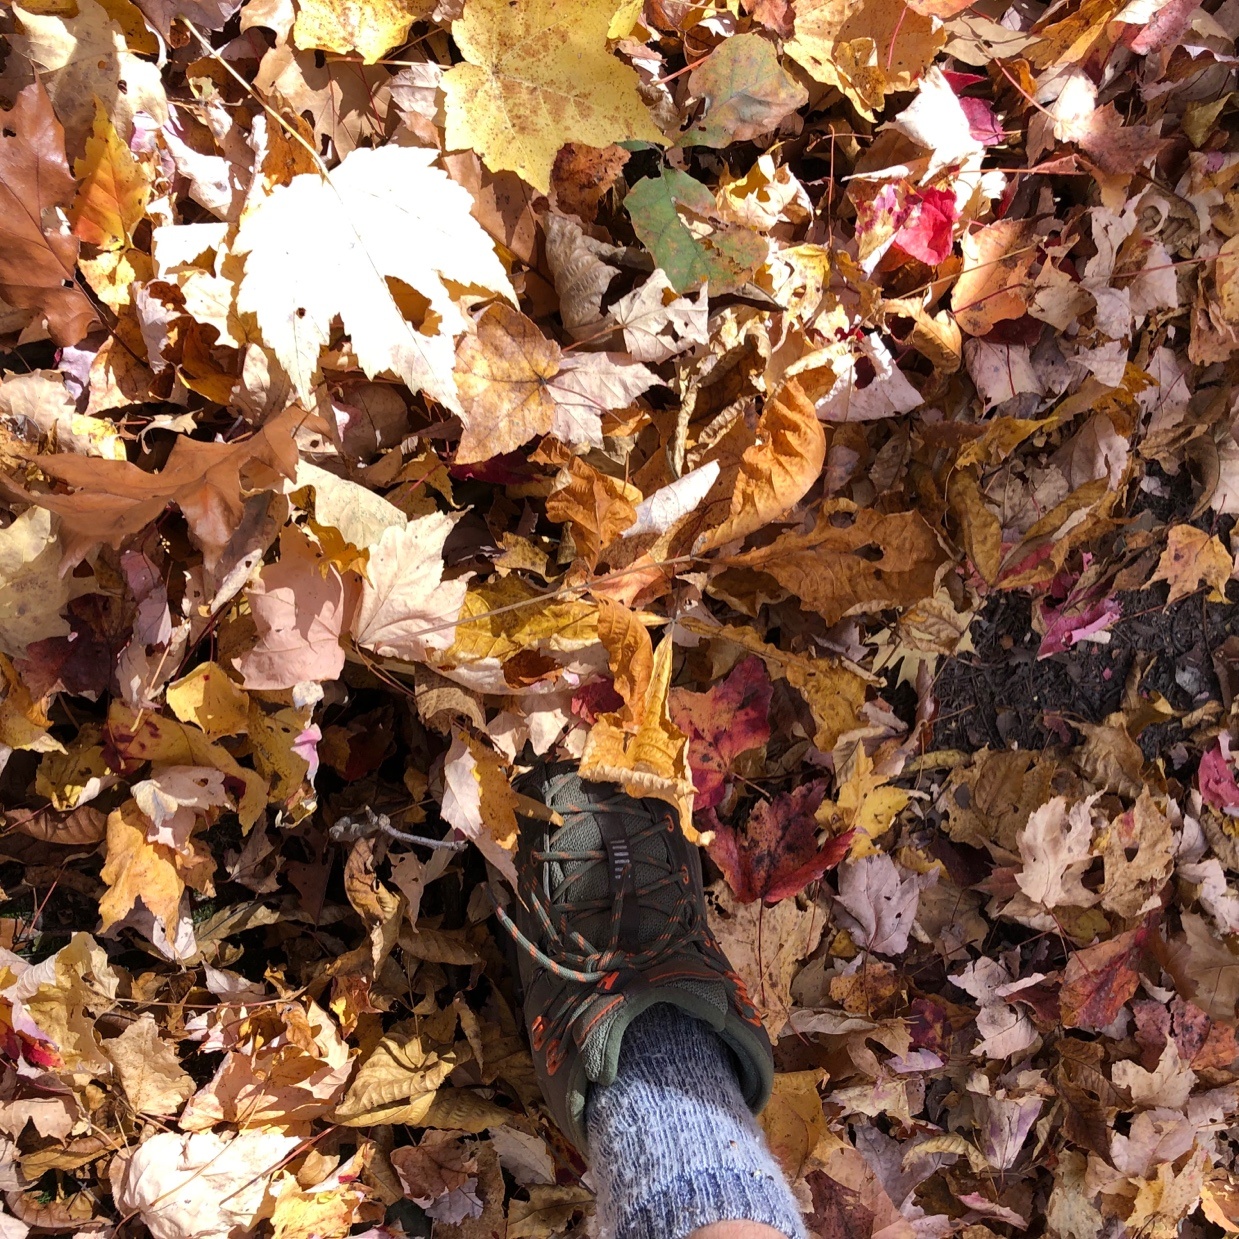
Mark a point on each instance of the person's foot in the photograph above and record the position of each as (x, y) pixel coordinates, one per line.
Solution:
(609, 920)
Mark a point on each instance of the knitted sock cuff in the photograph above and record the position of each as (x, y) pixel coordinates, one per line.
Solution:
(700, 1197)
(672, 1144)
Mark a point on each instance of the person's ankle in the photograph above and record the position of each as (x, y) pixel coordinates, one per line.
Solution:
(739, 1229)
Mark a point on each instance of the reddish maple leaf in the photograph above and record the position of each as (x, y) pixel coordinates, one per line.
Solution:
(1100, 979)
(777, 854)
(723, 723)
(1216, 779)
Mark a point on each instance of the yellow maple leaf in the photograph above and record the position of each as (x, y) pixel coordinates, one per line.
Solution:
(537, 74)
(113, 191)
(368, 27)
(209, 699)
(1193, 558)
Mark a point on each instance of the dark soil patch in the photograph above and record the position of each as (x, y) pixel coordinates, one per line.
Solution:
(1003, 696)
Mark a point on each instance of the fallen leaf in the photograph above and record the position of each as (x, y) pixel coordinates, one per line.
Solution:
(994, 283)
(1099, 980)
(479, 802)
(877, 903)
(535, 76)
(320, 247)
(112, 191)
(36, 267)
(746, 92)
(777, 855)
(150, 1072)
(345, 26)
(1193, 558)
(211, 700)
(398, 1081)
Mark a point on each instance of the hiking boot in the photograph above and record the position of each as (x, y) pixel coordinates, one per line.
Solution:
(609, 920)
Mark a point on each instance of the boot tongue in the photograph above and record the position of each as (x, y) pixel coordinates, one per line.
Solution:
(706, 1000)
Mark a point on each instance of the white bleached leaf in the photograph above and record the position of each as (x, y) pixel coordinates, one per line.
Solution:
(660, 511)
(317, 248)
(587, 386)
(405, 593)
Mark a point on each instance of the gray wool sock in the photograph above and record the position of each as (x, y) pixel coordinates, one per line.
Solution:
(672, 1144)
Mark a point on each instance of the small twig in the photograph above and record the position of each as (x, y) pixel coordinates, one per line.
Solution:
(350, 829)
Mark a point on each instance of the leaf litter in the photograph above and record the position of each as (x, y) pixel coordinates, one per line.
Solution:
(817, 415)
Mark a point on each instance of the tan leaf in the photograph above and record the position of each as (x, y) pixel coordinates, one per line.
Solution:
(994, 283)
(651, 760)
(548, 1211)
(112, 191)
(630, 654)
(1193, 558)
(397, 1083)
(777, 471)
(152, 872)
(823, 570)
(150, 1072)
(479, 801)
(406, 607)
(597, 507)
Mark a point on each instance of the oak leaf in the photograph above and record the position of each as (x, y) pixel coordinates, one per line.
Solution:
(36, 263)
(777, 471)
(630, 654)
(320, 247)
(537, 74)
(1193, 558)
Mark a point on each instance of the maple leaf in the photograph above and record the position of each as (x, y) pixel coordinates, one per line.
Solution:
(298, 607)
(479, 802)
(325, 246)
(646, 755)
(731, 718)
(777, 856)
(370, 29)
(1193, 557)
(209, 699)
(994, 284)
(516, 384)
(1099, 980)
(746, 92)
(406, 609)
(88, 54)
(150, 1072)
(537, 74)
(114, 499)
(877, 902)
(36, 264)
(397, 1082)
(824, 572)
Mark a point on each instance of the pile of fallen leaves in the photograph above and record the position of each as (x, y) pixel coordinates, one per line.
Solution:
(738, 397)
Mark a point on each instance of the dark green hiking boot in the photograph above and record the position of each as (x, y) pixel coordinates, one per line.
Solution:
(609, 920)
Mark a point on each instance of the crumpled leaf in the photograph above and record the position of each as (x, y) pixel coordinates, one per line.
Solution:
(150, 1072)
(777, 471)
(397, 1083)
(36, 264)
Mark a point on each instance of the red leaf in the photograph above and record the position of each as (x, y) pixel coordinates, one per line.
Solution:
(927, 231)
(1217, 781)
(777, 855)
(730, 719)
(1100, 979)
